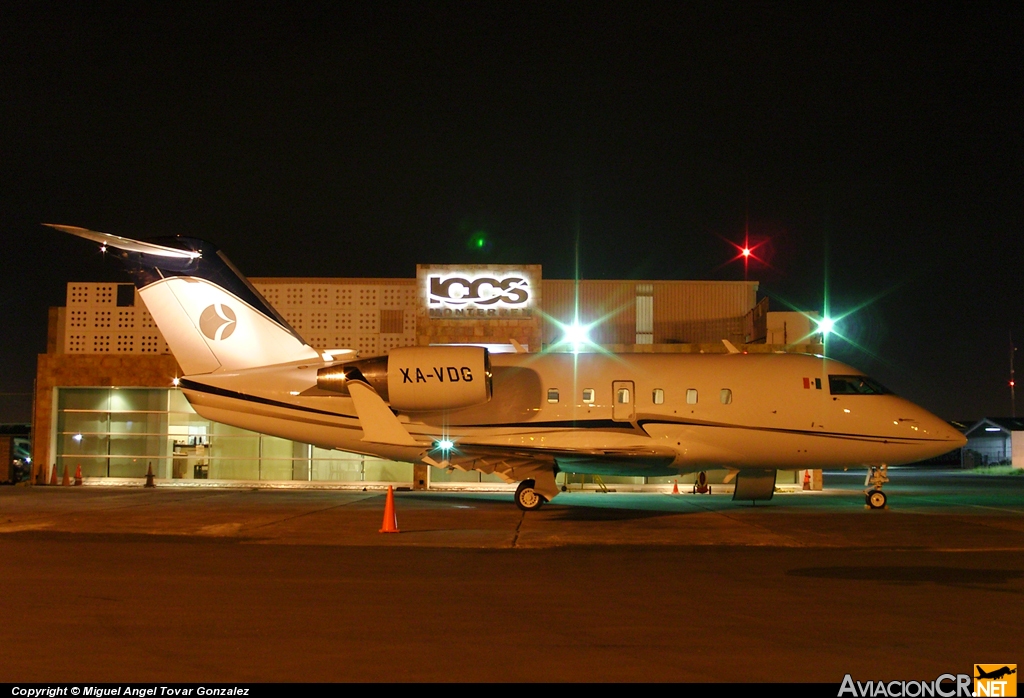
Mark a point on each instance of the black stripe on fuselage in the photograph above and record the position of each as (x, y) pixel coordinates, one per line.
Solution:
(605, 424)
(234, 395)
(799, 432)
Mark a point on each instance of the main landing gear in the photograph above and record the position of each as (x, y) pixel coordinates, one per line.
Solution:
(878, 475)
(527, 496)
(700, 485)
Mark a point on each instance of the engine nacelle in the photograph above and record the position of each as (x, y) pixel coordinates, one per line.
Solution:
(419, 379)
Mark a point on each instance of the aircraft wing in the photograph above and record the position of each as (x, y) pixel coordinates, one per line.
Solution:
(509, 468)
(646, 454)
(515, 464)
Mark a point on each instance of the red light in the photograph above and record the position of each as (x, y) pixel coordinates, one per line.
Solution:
(1011, 384)
(756, 250)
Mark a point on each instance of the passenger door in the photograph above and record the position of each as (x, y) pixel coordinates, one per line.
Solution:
(623, 399)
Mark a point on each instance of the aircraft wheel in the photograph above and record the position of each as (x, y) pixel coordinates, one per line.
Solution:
(527, 498)
(876, 499)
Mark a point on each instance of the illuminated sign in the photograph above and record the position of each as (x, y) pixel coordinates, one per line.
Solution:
(511, 291)
(479, 292)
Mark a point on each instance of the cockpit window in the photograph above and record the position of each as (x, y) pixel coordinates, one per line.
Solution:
(855, 385)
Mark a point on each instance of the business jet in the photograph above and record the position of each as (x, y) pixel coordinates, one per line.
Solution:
(523, 416)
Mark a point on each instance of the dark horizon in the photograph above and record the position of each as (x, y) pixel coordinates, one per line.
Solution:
(873, 147)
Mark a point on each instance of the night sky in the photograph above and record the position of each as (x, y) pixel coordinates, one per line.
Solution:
(874, 147)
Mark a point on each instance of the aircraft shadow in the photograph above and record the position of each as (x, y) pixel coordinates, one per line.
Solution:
(583, 513)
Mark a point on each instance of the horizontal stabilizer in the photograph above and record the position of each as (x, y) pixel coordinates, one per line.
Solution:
(126, 244)
(211, 316)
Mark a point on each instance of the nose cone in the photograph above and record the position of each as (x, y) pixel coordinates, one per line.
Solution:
(958, 439)
(949, 437)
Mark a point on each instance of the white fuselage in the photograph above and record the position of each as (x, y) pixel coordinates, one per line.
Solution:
(778, 412)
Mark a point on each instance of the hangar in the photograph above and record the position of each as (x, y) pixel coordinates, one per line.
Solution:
(995, 441)
(106, 400)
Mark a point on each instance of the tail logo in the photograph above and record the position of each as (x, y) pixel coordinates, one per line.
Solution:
(217, 321)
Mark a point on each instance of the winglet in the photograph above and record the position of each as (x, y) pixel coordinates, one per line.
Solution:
(520, 349)
(730, 347)
(127, 244)
(380, 425)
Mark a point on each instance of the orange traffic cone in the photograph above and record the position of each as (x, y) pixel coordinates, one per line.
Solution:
(807, 479)
(78, 475)
(390, 517)
(53, 475)
(66, 480)
(675, 487)
(149, 477)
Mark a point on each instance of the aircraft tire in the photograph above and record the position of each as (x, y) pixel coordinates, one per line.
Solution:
(527, 498)
(876, 499)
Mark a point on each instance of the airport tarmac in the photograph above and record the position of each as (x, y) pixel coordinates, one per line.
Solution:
(170, 584)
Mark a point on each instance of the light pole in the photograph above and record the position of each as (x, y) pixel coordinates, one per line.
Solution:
(1013, 396)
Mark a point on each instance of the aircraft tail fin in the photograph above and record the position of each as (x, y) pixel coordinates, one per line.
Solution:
(212, 318)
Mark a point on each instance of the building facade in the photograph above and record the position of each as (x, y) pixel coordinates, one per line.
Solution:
(106, 400)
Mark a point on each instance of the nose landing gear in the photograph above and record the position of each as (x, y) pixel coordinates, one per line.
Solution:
(878, 475)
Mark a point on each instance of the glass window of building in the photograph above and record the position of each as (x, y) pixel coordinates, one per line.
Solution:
(122, 432)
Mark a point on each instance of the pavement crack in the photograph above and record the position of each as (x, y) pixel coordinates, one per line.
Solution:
(515, 538)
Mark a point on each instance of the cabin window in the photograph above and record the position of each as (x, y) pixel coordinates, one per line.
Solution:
(659, 396)
(725, 395)
(588, 395)
(691, 396)
(552, 394)
(622, 396)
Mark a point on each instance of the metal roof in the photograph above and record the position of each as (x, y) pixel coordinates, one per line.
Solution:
(1006, 424)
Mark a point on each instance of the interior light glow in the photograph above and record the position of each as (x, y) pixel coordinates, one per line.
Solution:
(293, 392)
(77, 437)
